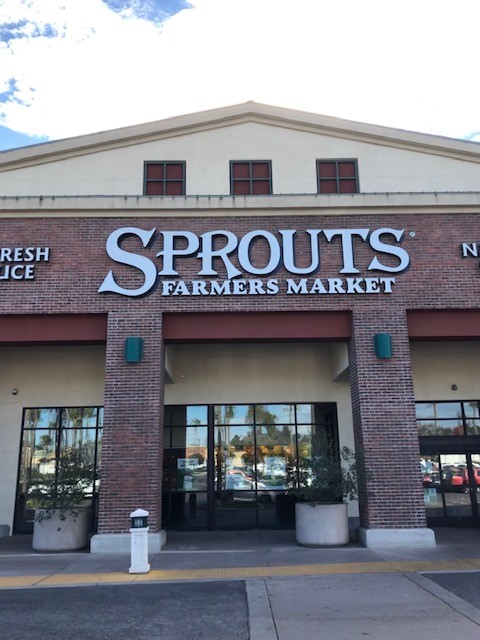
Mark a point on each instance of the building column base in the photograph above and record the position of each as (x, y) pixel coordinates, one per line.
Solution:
(121, 542)
(388, 538)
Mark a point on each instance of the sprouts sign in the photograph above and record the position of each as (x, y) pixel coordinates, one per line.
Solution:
(215, 250)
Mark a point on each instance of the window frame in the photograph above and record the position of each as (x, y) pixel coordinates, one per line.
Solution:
(251, 180)
(164, 181)
(464, 419)
(337, 177)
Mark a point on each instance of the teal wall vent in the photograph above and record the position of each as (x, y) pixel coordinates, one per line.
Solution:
(133, 350)
(382, 343)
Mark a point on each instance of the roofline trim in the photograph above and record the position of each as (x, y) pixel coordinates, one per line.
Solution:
(233, 115)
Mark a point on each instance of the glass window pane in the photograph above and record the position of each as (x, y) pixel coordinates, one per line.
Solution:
(154, 189)
(174, 189)
(193, 415)
(473, 427)
(261, 187)
(234, 414)
(347, 186)
(449, 428)
(305, 413)
(241, 170)
(425, 410)
(174, 171)
(327, 169)
(448, 410)
(472, 409)
(275, 456)
(77, 457)
(155, 171)
(275, 414)
(346, 169)
(241, 188)
(426, 428)
(455, 482)
(304, 443)
(234, 458)
(41, 418)
(432, 488)
(328, 186)
(79, 417)
(37, 463)
(261, 170)
(188, 458)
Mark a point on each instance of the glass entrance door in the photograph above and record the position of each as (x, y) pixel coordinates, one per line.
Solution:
(230, 466)
(451, 487)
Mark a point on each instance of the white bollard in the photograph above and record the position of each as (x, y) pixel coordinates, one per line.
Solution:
(139, 542)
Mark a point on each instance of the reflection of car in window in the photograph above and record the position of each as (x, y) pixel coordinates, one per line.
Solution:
(457, 478)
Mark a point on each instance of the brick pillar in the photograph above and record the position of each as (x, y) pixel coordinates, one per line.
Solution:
(132, 446)
(391, 505)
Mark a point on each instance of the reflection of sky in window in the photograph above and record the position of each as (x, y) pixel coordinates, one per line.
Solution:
(424, 410)
(231, 432)
(196, 437)
(233, 413)
(471, 409)
(197, 415)
(283, 413)
(305, 413)
(448, 410)
(41, 418)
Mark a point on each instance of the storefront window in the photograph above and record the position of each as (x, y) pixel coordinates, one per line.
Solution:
(234, 470)
(448, 418)
(47, 436)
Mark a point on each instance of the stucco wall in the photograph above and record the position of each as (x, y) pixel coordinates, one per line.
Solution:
(207, 155)
(439, 365)
(43, 377)
(258, 373)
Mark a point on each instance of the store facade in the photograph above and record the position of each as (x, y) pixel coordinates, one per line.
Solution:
(197, 345)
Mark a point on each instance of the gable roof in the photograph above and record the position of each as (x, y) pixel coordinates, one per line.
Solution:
(238, 114)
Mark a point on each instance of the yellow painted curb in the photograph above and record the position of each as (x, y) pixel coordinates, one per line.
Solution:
(159, 575)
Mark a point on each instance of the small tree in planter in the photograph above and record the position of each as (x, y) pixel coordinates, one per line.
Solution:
(326, 483)
(61, 517)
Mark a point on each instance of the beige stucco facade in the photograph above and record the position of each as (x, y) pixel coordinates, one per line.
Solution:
(41, 377)
(215, 373)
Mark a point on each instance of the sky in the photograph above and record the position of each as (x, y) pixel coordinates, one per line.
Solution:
(71, 67)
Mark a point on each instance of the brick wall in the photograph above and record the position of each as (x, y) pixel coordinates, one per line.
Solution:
(383, 405)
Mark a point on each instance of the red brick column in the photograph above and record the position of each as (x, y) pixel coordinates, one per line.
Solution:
(383, 404)
(132, 447)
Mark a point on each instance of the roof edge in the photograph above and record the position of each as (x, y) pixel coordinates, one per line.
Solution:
(234, 114)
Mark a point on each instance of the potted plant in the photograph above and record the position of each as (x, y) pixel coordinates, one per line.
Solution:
(61, 509)
(327, 481)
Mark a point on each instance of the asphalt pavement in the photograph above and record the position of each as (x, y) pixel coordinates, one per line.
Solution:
(254, 585)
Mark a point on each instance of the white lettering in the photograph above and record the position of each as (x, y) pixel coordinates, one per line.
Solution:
(146, 266)
(207, 253)
(347, 245)
(170, 251)
(288, 246)
(398, 252)
(470, 249)
(244, 252)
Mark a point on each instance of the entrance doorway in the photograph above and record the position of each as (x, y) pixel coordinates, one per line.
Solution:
(230, 466)
(451, 488)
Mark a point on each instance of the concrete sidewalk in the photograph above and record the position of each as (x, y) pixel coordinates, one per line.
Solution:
(346, 592)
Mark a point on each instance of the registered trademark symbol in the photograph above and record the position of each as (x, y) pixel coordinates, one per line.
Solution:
(412, 234)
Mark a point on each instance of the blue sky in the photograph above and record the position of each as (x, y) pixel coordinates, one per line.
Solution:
(70, 67)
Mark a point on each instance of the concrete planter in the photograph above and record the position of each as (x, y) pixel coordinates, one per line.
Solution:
(54, 534)
(321, 524)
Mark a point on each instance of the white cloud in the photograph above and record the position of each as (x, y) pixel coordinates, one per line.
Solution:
(410, 65)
